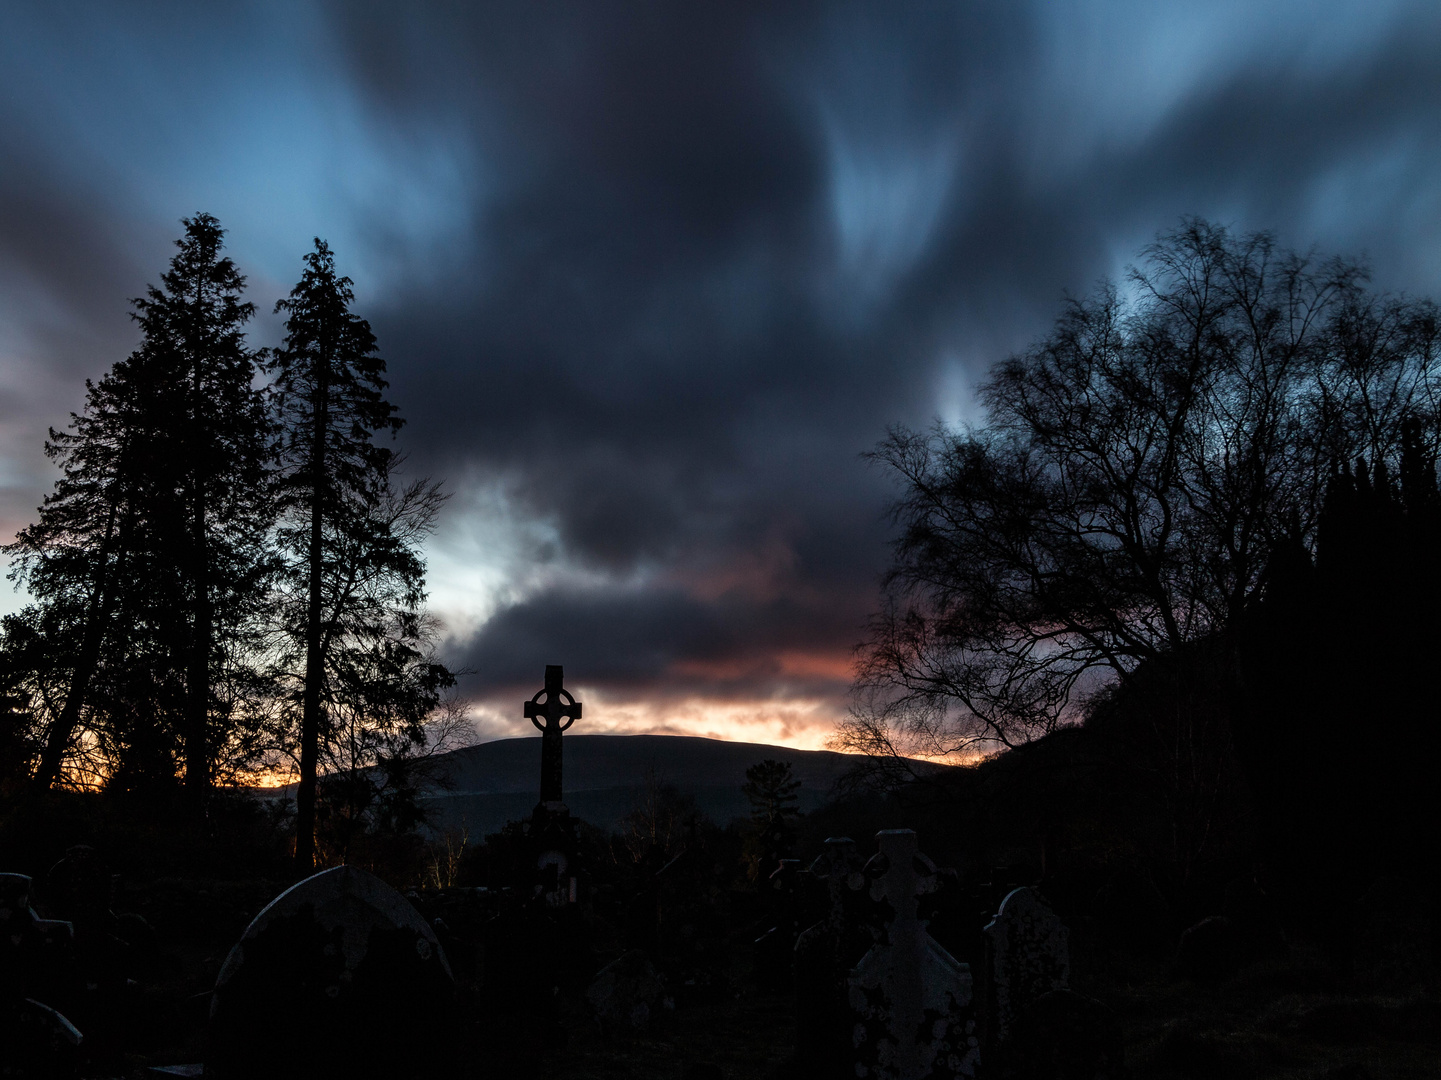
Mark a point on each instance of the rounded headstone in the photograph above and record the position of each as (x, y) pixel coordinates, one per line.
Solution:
(338, 976)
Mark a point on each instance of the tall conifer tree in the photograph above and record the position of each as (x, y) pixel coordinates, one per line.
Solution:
(147, 557)
(215, 471)
(356, 580)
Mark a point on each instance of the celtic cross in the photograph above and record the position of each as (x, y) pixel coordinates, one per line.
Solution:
(546, 711)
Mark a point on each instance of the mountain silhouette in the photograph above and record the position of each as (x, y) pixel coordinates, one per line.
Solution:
(606, 775)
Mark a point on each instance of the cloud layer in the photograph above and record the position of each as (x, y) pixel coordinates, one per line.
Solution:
(651, 277)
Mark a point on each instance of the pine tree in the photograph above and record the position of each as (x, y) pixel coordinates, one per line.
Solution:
(771, 790)
(212, 493)
(148, 555)
(355, 579)
(69, 559)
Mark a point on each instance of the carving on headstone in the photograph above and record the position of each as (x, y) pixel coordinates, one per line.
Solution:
(910, 1000)
(1027, 955)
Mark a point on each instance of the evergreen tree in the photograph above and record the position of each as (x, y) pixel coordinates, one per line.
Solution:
(68, 560)
(355, 581)
(147, 555)
(211, 496)
(771, 790)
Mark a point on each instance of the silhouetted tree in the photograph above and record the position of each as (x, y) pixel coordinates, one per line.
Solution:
(356, 633)
(771, 790)
(1343, 723)
(147, 557)
(68, 559)
(213, 462)
(1135, 473)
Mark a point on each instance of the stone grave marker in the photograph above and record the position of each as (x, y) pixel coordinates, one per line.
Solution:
(1027, 955)
(824, 956)
(628, 995)
(550, 830)
(910, 1000)
(338, 976)
(15, 917)
(774, 951)
(39, 1043)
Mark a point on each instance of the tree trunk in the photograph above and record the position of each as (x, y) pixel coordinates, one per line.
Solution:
(197, 704)
(305, 792)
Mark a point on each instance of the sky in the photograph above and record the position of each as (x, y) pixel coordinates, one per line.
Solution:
(650, 278)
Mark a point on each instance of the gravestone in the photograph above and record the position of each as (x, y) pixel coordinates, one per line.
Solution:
(552, 710)
(628, 995)
(774, 951)
(80, 889)
(551, 831)
(910, 1000)
(15, 919)
(824, 956)
(339, 976)
(1027, 955)
(39, 1043)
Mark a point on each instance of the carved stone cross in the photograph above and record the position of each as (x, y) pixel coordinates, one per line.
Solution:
(910, 1000)
(546, 710)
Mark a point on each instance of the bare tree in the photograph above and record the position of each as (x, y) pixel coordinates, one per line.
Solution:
(1135, 471)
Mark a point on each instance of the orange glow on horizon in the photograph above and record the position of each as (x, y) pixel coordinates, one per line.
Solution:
(800, 723)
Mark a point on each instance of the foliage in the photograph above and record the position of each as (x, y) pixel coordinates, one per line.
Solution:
(1339, 734)
(771, 791)
(655, 828)
(147, 563)
(355, 640)
(1136, 473)
(212, 551)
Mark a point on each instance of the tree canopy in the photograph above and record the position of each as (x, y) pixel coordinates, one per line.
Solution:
(1135, 474)
(225, 568)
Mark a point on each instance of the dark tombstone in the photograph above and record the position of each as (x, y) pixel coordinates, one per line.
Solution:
(777, 841)
(1210, 951)
(38, 1043)
(15, 920)
(1132, 914)
(552, 710)
(1027, 955)
(691, 924)
(551, 831)
(80, 889)
(339, 976)
(628, 995)
(824, 956)
(37, 956)
(774, 951)
(910, 1000)
(1062, 1035)
(36, 966)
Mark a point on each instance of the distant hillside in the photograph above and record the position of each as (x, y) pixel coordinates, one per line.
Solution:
(604, 775)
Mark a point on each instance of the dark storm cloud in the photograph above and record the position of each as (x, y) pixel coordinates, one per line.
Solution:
(668, 270)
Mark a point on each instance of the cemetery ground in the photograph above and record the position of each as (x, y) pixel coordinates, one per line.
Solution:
(1276, 990)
